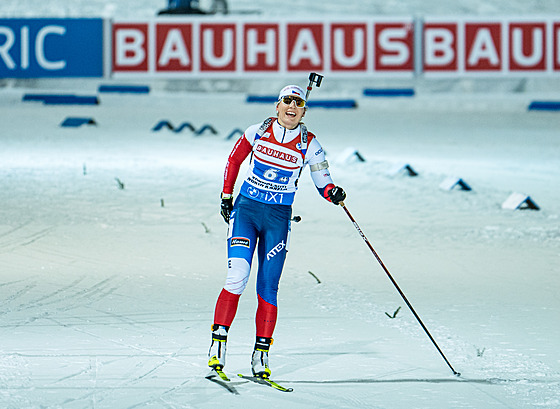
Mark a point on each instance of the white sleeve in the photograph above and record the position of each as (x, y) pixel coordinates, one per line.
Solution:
(318, 165)
(251, 132)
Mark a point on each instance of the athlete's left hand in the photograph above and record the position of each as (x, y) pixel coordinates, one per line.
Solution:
(226, 207)
(337, 195)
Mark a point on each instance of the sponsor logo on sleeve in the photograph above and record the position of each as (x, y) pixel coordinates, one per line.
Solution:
(240, 241)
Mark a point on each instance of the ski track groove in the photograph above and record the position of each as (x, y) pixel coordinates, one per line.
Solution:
(129, 378)
(144, 322)
(157, 366)
(92, 294)
(93, 320)
(145, 351)
(71, 258)
(10, 246)
(73, 375)
(12, 282)
(19, 293)
(161, 396)
(13, 230)
(40, 302)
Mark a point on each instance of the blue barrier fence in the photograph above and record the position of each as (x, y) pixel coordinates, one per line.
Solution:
(75, 122)
(62, 99)
(124, 89)
(389, 92)
(334, 103)
(544, 106)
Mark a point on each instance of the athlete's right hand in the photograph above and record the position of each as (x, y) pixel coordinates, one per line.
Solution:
(226, 206)
(337, 195)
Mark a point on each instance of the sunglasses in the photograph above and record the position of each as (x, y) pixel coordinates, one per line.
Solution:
(300, 103)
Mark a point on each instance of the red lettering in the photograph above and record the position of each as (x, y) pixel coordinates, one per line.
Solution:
(174, 47)
(394, 46)
(261, 47)
(556, 42)
(483, 47)
(130, 47)
(217, 47)
(527, 46)
(305, 47)
(276, 154)
(440, 47)
(349, 47)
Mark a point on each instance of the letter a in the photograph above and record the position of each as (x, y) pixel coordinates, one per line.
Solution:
(174, 49)
(483, 48)
(305, 48)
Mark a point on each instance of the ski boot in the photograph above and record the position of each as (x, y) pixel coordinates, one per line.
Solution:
(259, 361)
(217, 352)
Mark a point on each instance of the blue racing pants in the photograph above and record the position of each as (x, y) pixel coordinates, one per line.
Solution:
(265, 227)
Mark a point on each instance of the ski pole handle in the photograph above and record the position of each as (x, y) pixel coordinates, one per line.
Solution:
(314, 78)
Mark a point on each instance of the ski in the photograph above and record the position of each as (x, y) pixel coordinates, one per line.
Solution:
(265, 381)
(220, 378)
(218, 372)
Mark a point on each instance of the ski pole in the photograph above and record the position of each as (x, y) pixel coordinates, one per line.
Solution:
(397, 287)
(314, 78)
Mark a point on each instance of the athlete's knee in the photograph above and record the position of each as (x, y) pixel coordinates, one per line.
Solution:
(237, 276)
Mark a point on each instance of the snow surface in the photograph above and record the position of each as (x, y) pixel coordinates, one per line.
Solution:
(107, 294)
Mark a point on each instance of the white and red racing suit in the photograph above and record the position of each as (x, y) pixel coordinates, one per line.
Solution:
(262, 212)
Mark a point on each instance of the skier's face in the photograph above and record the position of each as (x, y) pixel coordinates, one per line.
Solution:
(289, 113)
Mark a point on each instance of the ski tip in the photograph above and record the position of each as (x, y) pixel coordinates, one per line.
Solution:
(266, 381)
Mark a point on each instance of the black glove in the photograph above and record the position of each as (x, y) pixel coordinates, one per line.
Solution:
(337, 195)
(226, 206)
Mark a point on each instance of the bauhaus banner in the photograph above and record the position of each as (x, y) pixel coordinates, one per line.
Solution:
(370, 47)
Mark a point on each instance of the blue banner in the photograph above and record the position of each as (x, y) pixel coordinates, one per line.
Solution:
(50, 48)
